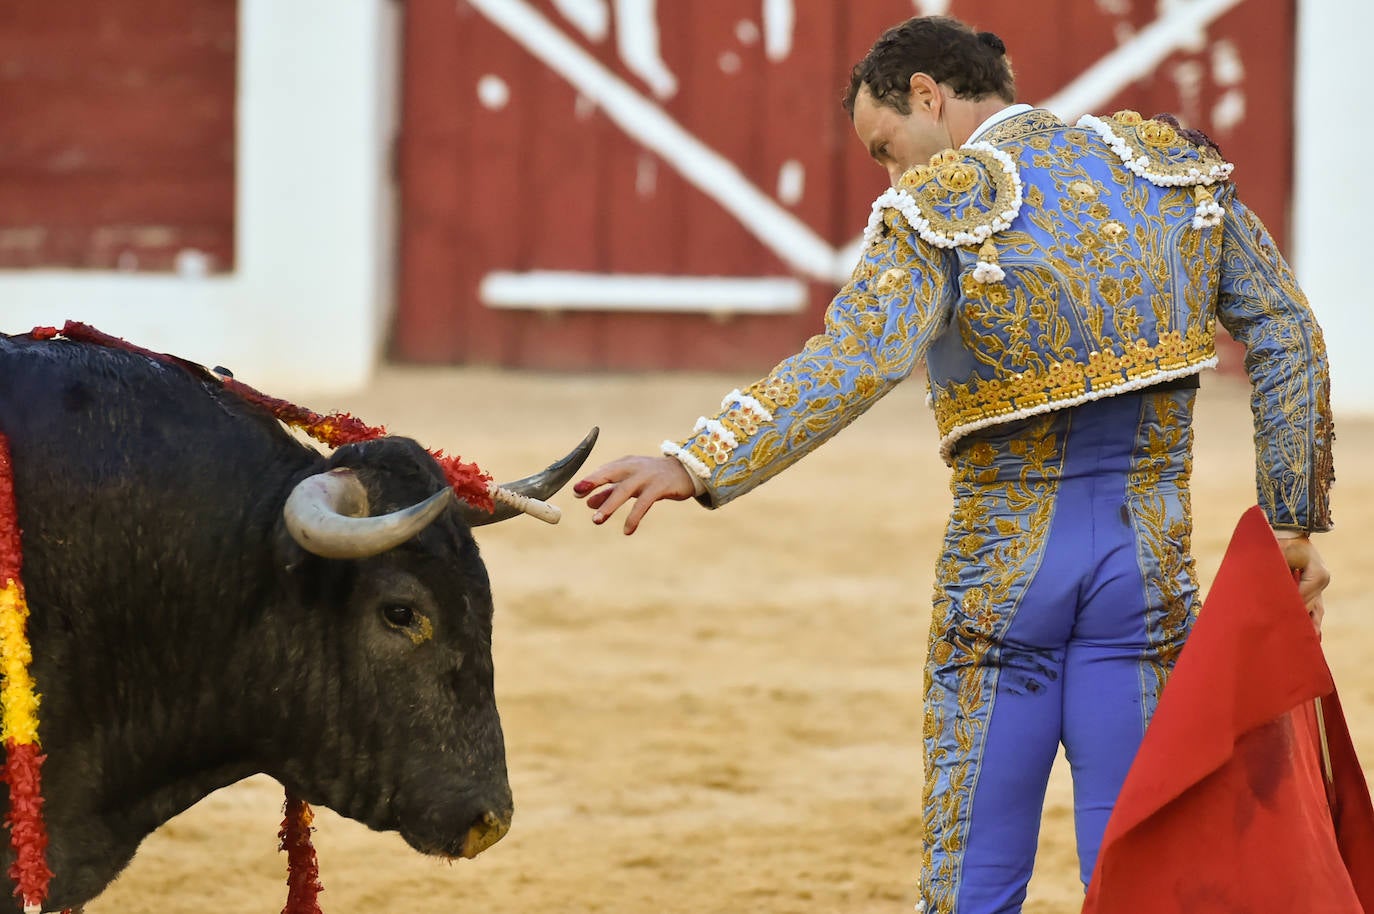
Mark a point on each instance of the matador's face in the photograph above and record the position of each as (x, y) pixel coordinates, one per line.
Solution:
(898, 141)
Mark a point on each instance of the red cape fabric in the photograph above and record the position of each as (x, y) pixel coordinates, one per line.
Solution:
(1226, 807)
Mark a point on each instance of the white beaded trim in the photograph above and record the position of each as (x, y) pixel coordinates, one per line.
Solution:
(748, 404)
(688, 460)
(959, 431)
(901, 201)
(714, 427)
(1139, 164)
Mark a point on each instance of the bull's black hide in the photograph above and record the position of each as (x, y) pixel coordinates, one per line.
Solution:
(183, 640)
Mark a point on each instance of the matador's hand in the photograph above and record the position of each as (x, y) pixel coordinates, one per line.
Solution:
(1313, 577)
(645, 479)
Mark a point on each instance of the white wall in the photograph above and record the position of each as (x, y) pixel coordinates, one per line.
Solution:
(1334, 192)
(306, 306)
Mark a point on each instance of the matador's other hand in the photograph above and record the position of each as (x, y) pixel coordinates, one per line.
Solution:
(645, 479)
(1313, 577)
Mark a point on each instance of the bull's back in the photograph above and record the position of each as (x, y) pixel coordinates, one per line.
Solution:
(123, 464)
(104, 413)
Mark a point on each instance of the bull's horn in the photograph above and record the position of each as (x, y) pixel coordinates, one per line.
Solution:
(326, 515)
(539, 486)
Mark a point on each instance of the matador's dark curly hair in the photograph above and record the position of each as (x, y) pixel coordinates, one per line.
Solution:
(974, 64)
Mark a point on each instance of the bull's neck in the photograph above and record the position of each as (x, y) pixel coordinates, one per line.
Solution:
(153, 714)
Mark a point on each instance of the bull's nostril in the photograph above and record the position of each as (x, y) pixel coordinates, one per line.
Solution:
(485, 832)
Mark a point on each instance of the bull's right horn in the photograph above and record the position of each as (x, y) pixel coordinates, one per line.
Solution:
(326, 514)
(539, 486)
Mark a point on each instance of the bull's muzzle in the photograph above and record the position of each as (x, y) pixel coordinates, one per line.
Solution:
(485, 832)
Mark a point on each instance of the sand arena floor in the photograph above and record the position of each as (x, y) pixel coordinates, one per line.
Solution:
(720, 713)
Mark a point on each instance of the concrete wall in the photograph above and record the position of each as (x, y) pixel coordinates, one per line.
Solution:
(308, 303)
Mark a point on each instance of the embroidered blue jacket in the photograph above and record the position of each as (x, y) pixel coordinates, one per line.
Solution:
(1036, 269)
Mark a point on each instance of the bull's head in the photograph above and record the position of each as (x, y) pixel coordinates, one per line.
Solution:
(410, 738)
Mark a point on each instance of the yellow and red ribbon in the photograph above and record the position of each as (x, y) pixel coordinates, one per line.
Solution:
(23, 763)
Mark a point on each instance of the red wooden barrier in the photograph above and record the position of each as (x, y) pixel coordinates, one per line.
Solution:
(117, 133)
(540, 177)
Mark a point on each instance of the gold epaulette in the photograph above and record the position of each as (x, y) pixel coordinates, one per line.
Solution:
(961, 198)
(1157, 152)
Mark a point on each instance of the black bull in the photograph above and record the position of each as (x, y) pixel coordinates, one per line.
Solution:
(183, 638)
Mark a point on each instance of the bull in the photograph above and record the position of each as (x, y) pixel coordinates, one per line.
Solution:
(212, 599)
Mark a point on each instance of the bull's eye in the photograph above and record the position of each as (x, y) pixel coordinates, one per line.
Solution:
(398, 614)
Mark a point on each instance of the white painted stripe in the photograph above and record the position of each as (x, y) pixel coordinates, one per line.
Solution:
(714, 175)
(779, 19)
(618, 292)
(592, 17)
(636, 37)
(1136, 58)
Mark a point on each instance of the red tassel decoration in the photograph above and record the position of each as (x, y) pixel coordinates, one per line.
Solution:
(467, 479)
(302, 867)
(23, 763)
(11, 548)
(28, 835)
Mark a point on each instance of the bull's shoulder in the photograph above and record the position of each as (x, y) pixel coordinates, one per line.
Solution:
(960, 198)
(1157, 151)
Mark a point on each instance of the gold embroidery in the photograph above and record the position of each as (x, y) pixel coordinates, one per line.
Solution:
(892, 281)
(1159, 502)
(958, 178)
(971, 190)
(773, 392)
(1263, 307)
(1014, 514)
(1025, 127)
(1082, 191)
(1158, 133)
(959, 405)
(915, 177)
(864, 271)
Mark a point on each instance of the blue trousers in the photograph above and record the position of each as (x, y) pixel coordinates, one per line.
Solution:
(1063, 596)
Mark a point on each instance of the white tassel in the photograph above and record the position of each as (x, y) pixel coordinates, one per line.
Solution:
(986, 272)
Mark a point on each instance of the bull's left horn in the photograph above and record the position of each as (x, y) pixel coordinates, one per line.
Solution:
(326, 514)
(539, 486)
